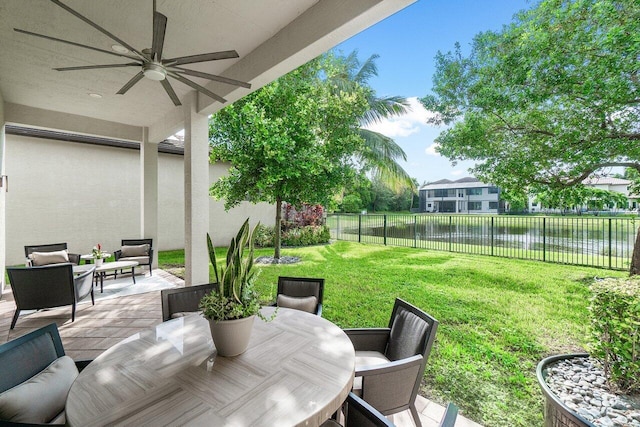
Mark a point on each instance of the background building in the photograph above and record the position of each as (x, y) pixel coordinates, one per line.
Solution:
(466, 195)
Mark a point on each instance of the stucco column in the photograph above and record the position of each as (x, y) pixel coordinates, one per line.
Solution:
(196, 193)
(149, 192)
(3, 199)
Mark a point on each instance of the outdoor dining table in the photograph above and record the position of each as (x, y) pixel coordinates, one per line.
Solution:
(298, 370)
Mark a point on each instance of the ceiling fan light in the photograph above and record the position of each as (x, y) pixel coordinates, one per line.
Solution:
(154, 72)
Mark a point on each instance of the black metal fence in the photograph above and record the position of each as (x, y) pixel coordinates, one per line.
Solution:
(590, 241)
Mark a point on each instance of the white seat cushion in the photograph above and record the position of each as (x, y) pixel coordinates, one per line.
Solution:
(42, 397)
(367, 358)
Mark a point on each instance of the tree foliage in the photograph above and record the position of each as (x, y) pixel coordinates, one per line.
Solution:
(579, 197)
(379, 154)
(548, 100)
(291, 140)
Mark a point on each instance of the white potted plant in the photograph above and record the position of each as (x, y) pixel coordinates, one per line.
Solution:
(98, 255)
(231, 309)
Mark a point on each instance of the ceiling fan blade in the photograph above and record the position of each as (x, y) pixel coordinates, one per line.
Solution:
(167, 87)
(211, 77)
(92, 67)
(76, 44)
(197, 87)
(200, 58)
(97, 27)
(130, 83)
(159, 28)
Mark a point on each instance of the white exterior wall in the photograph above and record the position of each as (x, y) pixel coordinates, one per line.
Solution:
(86, 194)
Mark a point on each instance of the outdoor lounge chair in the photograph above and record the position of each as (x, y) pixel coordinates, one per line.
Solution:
(390, 361)
(49, 286)
(180, 301)
(35, 378)
(300, 293)
(140, 250)
(53, 255)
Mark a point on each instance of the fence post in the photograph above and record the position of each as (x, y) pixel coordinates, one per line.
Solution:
(544, 239)
(384, 229)
(492, 218)
(337, 227)
(450, 230)
(359, 228)
(415, 231)
(610, 243)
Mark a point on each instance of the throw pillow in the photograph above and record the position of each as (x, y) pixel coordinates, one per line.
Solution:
(46, 258)
(137, 250)
(307, 304)
(42, 397)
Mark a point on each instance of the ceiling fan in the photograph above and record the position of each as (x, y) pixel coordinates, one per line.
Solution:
(153, 65)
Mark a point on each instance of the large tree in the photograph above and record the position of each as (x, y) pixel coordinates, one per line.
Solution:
(551, 99)
(380, 154)
(291, 140)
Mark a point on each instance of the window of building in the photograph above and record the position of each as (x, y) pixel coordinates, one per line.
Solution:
(493, 190)
(474, 206)
(428, 205)
(493, 205)
(474, 191)
(445, 193)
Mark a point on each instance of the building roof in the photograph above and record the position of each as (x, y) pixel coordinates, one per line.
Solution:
(606, 181)
(467, 182)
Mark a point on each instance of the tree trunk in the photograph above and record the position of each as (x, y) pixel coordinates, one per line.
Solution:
(277, 234)
(635, 258)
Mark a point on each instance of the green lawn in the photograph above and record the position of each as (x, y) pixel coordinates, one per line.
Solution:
(498, 317)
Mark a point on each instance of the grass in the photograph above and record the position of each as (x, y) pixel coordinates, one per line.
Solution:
(498, 317)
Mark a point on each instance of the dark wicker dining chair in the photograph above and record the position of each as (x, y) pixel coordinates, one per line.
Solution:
(301, 293)
(49, 286)
(52, 247)
(390, 361)
(139, 250)
(28, 401)
(177, 302)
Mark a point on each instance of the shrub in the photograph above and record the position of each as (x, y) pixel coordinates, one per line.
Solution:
(306, 236)
(263, 236)
(615, 310)
(300, 236)
(301, 216)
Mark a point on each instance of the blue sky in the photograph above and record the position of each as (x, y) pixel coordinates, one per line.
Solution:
(407, 43)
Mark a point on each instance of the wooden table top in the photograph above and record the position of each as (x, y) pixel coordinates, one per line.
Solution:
(297, 370)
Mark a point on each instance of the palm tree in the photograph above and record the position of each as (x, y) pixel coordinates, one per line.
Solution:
(380, 154)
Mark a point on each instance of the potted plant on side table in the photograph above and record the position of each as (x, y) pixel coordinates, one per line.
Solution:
(231, 309)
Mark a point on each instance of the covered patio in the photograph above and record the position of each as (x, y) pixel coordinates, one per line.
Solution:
(270, 38)
(101, 326)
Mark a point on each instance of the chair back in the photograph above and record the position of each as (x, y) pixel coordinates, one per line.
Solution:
(412, 332)
(136, 242)
(47, 286)
(302, 287)
(44, 248)
(183, 300)
(24, 357)
(359, 413)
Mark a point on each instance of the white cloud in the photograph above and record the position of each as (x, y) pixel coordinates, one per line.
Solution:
(431, 150)
(457, 172)
(406, 124)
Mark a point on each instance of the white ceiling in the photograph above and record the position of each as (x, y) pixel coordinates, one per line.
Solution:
(271, 36)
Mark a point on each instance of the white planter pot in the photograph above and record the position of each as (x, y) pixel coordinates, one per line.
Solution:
(231, 337)
(99, 262)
